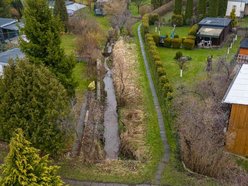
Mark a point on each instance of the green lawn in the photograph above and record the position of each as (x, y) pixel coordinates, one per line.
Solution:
(166, 30)
(243, 22)
(196, 66)
(68, 42)
(79, 74)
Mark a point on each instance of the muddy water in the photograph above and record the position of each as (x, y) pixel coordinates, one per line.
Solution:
(111, 135)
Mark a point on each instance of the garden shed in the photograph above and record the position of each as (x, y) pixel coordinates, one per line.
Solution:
(237, 96)
(213, 31)
(243, 52)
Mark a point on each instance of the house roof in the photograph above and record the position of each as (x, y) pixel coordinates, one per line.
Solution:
(75, 6)
(244, 43)
(237, 92)
(207, 31)
(212, 21)
(6, 21)
(10, 54)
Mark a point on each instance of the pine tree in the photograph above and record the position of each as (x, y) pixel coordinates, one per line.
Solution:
(222, 8)
(23, 165)
(233, 17)
(43, 32)
(178, 7)
(213, 8)
(61, 12)
(201, 9)
(31, 98)
(189, 11)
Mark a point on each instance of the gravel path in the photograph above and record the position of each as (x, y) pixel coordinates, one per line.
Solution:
(166, 156)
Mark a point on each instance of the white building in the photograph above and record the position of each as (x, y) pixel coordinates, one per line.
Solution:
(240, 6)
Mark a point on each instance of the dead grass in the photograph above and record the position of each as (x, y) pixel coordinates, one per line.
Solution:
(129, 98)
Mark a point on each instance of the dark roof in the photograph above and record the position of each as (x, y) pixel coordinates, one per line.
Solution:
(6, 21)
(212, 21)
(11, 54)
(244, 43)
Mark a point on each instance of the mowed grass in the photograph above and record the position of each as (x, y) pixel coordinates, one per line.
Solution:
(68, 43)
(166, 30)
(194, 68)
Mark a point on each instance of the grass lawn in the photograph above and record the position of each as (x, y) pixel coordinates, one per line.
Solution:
(68, 42)
(243, 22)
(166, 30)
(195, 67)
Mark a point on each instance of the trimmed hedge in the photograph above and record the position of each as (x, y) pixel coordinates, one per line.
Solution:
(176, 43)
(189, 44)
(167, 42)
(177, 20)
(191, 37)
(193, 30)
(145, 23)
(156, 38)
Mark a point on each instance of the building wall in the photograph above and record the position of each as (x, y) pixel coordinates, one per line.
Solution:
(240, 6)
(237, 134)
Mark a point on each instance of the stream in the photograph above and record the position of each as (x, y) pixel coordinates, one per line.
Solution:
(111, 134)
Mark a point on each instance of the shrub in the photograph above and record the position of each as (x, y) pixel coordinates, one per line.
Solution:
(177, 20)
(167, 42)
(153, 18)
(156, 57)
(158, 63)
(178, 55)
(161, 71)
(191, 37)
(145, 23)
(176, 43)
(156, 38)
(193, 30)
(189, 44)
(176, 36)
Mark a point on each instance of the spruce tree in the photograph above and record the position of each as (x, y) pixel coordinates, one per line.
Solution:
(201, 9)
(178, 7)
(213, 8)
(189, 11)
(31, 98)
(222, 8)
(61, 12)
(23, 165)
(43, 32)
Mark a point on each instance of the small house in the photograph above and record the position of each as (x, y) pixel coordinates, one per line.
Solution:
(9, 28)
(9, 54)
(240, 7)
(242, 57)
(213, 31)
(237, 96)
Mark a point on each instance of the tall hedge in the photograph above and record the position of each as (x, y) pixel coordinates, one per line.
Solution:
(201, 8)
(189, 11)
(178, 7)
(145, 23)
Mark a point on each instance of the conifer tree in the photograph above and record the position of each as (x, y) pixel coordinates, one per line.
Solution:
(23, 165)
(233, 17)
(189, 10)
(213, 8)
(31, 98)
(178, 7)
(43, 32)
(61, 12)
(201, 9)
(222, 8)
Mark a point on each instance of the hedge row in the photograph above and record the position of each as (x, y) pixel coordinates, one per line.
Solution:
(159, 72)
(145, 23)
(193, 30)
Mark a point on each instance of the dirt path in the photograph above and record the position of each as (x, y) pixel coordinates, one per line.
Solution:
(166, 156)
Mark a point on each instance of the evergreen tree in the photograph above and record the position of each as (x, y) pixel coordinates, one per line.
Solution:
(201, 9)
(31, 98)
(178, 7)
(213, 8)
(189, 11)
(23, 165)
(4, 8)
(222, 8)
(43, 32)
(233, 17)
(61, 12)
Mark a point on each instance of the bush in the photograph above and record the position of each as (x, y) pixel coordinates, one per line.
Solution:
(177, 20)
(193, 30)
(153, 18)
(161, 71)
(156, 38)
(176, 36)
(191, 37)
(167, 42)
(176, 43)
(145, 23)
(189, 44)
(163, 79)
(178, 55)
(158, 63)
(156, 57)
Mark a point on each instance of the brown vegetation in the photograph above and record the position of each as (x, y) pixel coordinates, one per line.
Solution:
(201, 121)
(129, 98)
